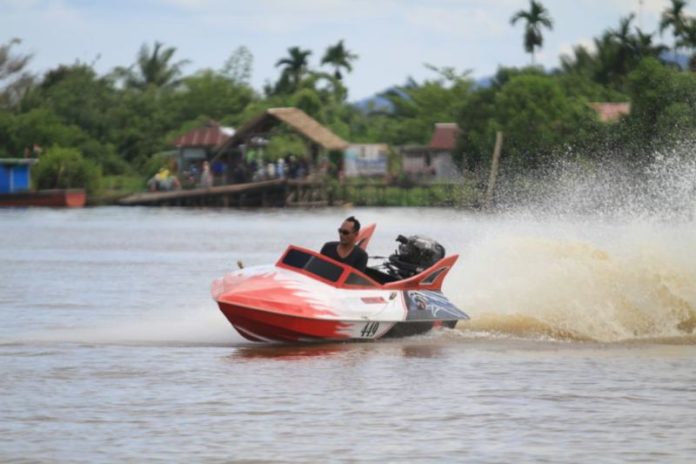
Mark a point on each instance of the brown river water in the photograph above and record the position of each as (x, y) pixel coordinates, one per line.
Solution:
(580, 348)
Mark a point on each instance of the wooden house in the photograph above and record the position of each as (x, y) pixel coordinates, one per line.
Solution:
(256, 133)
(433, 161)
(200, 144)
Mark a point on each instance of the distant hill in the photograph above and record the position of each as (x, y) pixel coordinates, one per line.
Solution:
(374, 103)
(378, 103)
(680, 60)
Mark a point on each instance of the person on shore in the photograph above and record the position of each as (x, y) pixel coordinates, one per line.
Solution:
(345, 250)
(206, 176)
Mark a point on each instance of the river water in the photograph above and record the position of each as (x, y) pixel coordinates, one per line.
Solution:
(580, 347)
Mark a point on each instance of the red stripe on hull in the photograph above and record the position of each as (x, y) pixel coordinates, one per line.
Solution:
(256, 325)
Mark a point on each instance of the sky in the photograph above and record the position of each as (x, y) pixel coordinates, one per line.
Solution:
(393, 39)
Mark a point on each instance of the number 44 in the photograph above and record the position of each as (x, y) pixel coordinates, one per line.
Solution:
(370, 330)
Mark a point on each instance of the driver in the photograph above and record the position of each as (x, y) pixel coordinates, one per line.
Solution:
(345, 250)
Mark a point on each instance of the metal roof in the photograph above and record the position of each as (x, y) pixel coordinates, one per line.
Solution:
(609, 112)
(18, 161)
(210, 135)
(445, 136)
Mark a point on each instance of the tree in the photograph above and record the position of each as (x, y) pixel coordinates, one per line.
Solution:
(153, 68)
(14, 80)
(295, 67)
(534, 110)
(78, 97)
(663, 104)
(688, 40)
(535, 18)
(645, 47)
(673, 17)
(65, 168)
(616, 53)
(417, 106)
(239, 66)
(338, 57)
(209, 94)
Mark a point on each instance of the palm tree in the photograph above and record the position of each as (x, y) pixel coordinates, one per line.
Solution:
(688, 40)
(338, 57)
(15, 81)
(535, 18)
(295, 67)
(153, 68)
(644, 46)
(673, 17)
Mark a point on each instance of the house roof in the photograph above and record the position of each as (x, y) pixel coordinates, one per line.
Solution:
(293, 117)
(609, 112)
(210, 135)
(8, 161)
(445, 136)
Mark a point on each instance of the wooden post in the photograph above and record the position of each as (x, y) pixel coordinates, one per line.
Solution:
(494, 169)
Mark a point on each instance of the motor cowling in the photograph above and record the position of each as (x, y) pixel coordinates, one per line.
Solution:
(414, 254)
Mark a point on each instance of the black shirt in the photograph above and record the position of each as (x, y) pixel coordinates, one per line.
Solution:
(356, 258)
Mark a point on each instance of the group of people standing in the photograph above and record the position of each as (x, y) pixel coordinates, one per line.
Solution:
(253, 169)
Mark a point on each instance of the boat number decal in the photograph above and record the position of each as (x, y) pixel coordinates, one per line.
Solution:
(370, 329)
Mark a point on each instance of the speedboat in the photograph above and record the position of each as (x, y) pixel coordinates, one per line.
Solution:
(306, 296)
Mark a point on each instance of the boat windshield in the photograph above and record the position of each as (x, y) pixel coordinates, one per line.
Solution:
(313, 264)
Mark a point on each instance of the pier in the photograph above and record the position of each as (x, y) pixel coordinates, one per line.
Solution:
(278, 193)
(308, 193)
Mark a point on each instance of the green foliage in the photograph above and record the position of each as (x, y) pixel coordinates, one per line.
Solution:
(284, 145)
(663, 103)
(416, 109)
(39, 127)
(535, 113)
(211, 94)
(338, 57)
(294, 69)
(239, 66)
(617, 52)
(14, 79)
(153, 69)
(65, 168)
(125, 122)
(308, 101)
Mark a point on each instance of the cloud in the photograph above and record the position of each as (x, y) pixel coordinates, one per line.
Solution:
(473, 23)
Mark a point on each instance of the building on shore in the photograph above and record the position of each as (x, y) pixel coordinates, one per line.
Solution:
(611, 112)
(366, 160)
(244, 153)
(433, 161)
(197, 146)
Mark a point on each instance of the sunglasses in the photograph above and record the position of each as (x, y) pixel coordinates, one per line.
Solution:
(345, 232)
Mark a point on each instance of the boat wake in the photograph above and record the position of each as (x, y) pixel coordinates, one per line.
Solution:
(203, 327)
(590, 262)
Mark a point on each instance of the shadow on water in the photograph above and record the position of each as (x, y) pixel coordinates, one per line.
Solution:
(410, 347)
(289, 352)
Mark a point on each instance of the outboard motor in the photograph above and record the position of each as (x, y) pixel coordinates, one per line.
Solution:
(414, 255)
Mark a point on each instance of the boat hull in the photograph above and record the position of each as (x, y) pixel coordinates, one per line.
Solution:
(266, 326)
(70, 198)
(263, 326)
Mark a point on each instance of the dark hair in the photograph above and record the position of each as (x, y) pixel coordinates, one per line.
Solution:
(356, 223)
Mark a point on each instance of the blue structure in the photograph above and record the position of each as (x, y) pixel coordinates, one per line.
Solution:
(15, 175)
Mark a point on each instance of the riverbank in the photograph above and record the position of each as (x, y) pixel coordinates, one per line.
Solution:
(300, 193)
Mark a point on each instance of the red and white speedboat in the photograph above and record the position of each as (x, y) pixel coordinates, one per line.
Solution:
(306, 296)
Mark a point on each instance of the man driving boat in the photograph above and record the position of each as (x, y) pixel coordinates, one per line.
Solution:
(345, 250)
